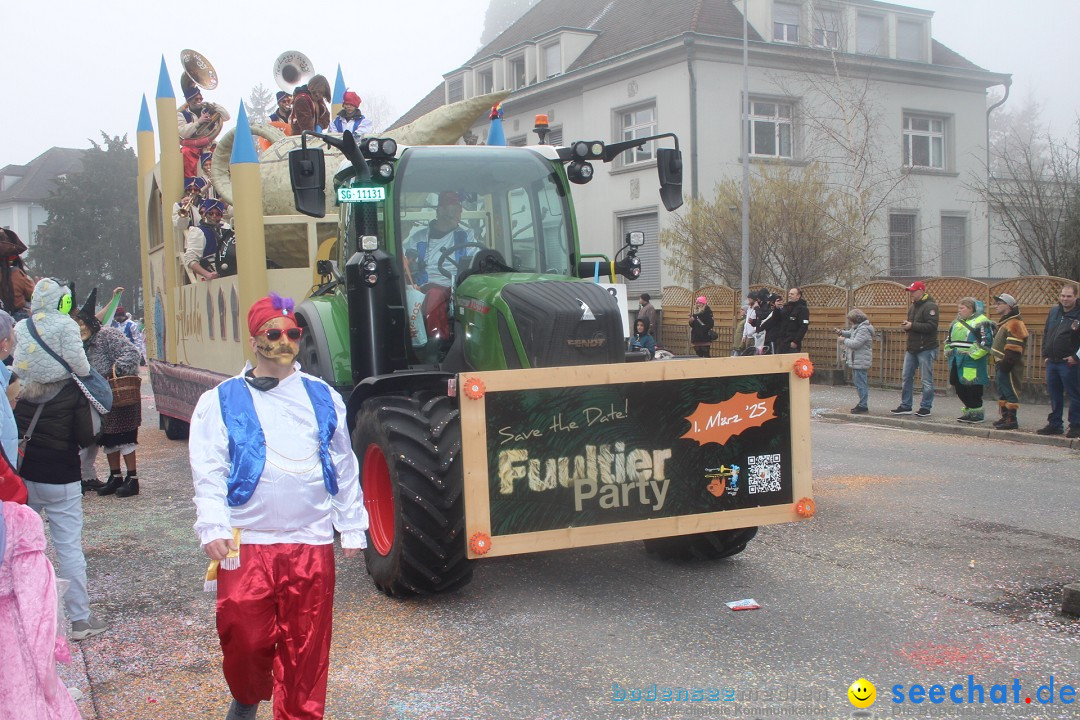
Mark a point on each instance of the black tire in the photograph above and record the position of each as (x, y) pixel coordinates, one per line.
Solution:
(417, 439)
(702, 546)
(174, 429)
(309, 357)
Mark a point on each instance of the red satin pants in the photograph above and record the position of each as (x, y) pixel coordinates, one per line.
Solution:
(274, 617)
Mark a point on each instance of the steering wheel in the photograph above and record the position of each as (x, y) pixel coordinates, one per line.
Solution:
(445, 255)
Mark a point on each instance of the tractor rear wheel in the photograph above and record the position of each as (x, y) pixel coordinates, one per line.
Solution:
(174, 429)
(409, 449)
(702, 546)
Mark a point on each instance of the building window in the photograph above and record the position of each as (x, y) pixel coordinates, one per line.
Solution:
(909, 41)
(871, 35)
(552, 60)
(485, 81)
(786, 23)
(902, 244)
(455, 90)
(649, 254)
(954, 245)
(924, 142)
(555, 136)
(827, 29)
(770, 129)
(636, 123)
(517, 72)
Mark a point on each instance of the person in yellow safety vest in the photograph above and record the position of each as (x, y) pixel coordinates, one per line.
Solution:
(966, 351)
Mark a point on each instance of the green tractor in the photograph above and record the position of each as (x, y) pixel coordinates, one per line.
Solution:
(505, 287)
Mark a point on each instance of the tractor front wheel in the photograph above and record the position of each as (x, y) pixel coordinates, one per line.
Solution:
(409, 449)
(702, 546)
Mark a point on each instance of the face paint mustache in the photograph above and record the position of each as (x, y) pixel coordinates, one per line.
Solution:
(283, 352)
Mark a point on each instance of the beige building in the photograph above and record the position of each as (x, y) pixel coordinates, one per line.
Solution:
(607, 70)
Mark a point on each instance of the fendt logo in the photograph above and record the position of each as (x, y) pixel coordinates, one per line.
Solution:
(596, 341)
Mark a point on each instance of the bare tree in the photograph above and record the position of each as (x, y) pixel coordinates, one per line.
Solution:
(260, 104)
(379, 111)
(803, 231)
(843, 125)
(1032, 190)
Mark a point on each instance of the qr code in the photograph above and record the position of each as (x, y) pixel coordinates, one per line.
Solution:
(764, 475)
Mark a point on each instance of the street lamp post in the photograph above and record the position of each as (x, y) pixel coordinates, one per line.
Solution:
(744, 275)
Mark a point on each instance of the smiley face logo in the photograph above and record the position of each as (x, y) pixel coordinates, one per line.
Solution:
(862, 693)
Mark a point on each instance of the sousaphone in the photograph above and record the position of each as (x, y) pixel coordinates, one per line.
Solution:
(292, 69)
(197, 71)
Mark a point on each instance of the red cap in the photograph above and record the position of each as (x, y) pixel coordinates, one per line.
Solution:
(267, 309)
(351, 98)
(917, 286)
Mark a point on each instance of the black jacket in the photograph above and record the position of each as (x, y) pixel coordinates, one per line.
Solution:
(700, 325)
(924, 317)
(769, 320)
(65, 425)
(795, 319)
(1059, 339)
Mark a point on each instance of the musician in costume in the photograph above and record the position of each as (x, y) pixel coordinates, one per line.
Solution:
(201, 242)
(185, 213)
(198, 122)
(350, 118)
(284, 108)
(310, 106)
(274, 476)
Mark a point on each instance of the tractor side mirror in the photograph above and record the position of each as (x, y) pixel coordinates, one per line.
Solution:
(669, 168)
(307, 175)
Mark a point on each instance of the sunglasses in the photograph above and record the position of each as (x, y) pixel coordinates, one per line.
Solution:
(274, 334)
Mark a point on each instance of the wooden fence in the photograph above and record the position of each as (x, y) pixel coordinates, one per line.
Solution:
(884, 302)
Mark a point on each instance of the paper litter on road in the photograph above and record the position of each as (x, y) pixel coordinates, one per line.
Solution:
(748, 604)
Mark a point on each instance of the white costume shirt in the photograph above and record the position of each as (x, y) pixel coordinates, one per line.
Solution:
(195, 244)
(290, 503)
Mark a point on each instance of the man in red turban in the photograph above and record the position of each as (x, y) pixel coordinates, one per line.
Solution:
(275, 475)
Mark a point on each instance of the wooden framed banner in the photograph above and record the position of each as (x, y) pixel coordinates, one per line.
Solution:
(566, 457)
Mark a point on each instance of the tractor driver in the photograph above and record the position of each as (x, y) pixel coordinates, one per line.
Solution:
(426, 244)
(443, 245)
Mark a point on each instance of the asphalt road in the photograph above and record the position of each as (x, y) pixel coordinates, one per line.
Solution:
(931, 558)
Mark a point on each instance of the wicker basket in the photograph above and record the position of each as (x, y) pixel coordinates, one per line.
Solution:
(126, 390)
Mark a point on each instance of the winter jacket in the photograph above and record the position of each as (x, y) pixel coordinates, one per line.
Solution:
(1010, 338)
(795, 321)
(1059, 339)
(643, 341)
(967, 349)
(647, 312)
(65, 426)
(924, 318)
(859, 345)
(769, 320)
(57, 330)
(700, 325)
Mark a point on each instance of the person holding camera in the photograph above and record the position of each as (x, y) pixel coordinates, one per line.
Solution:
(858, 341)
(921, 327)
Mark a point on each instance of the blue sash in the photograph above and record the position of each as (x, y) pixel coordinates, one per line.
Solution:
(247, 442)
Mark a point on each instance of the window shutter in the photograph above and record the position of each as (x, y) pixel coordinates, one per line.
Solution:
(649, 254)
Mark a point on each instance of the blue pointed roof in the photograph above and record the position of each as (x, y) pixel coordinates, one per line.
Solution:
(164, 84)
(339, 87)
(144, 118)
(243, 149)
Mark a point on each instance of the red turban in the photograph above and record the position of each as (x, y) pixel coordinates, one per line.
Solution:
(351, 98)
(267, 309)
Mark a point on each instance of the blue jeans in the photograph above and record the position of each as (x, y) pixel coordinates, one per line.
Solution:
(1063, 379)
(861, 385)
(63, 508)
(925, 362)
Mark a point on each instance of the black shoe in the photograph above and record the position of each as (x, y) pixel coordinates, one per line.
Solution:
(239, 711)
(1010, 421)
(923, 412)
(112, 484)
(1074, 431)
(859, 409)
(1051, 430)
(92, 485)
(902, 410)
(130, 486)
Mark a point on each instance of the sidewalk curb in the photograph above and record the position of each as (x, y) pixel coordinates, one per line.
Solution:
(988, 433)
